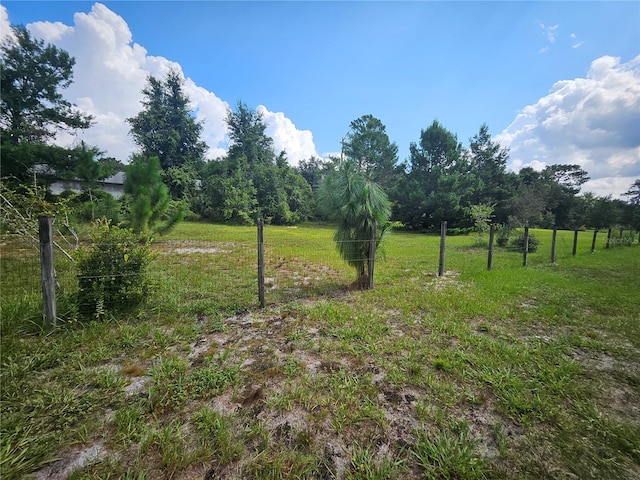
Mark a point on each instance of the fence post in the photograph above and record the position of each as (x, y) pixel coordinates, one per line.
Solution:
(553, 245)
(47, 269)
(608, 239)
(593, 242)
(261, 262)
(490, 254)
(372, 256)
(575, 243)
(526, 247)
(443, 239)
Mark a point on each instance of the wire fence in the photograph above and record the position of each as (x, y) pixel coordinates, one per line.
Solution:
(218, 271)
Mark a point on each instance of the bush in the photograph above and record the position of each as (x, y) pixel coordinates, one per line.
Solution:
(104, 205)
(112, 273)
(517, 244)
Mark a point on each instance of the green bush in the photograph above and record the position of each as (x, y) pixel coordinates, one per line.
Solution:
(104, 205)
(517, 244)
(112, 273)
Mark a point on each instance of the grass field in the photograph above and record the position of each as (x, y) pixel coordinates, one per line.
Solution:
(515, 373)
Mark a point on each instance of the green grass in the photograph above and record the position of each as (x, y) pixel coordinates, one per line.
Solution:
(520, 372)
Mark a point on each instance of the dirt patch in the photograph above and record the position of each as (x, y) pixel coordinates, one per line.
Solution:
(75, 460)
(620, 392)
(190, 250)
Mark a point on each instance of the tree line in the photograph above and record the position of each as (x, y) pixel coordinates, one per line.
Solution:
(169, 176)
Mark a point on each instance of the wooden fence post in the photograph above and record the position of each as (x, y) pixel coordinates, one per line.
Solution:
(372, 256)
(553, 245)
(443, 239)
(47, 269)
(261, 262)
(575, 243)
(608, 239)
(525, 247)
(490, 254)
(593, 242)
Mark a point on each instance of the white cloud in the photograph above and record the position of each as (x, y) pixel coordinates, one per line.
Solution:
(605, 186)
(5, 25)
(593, 122)
(576, 43)
(297, 143)
(110, 73)
(549, 31)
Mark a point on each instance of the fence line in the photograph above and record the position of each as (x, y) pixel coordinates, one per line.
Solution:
(218, 271)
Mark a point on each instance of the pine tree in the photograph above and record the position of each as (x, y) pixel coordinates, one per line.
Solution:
(149, 197)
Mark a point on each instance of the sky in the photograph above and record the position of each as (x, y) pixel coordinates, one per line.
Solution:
(556, 82)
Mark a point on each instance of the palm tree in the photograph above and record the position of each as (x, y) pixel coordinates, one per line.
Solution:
(359, 207)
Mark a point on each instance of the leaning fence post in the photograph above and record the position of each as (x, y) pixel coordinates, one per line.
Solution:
(47, 269)
(593, 242)
(526, 246)
(261, 262)
(490, 254)
(553, 245)
(575, 243)
(372, 256)
(443, 239)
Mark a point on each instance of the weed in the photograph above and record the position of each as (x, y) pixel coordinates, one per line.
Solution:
(217, 435)
(449, 455)
(365, 466)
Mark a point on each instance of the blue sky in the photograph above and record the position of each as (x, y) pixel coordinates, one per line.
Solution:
(313, 67)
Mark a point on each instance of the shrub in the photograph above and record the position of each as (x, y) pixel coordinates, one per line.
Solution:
(517, 244)
(112, 273)
(103, 205)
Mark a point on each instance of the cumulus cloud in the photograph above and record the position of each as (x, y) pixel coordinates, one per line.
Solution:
(5, 25)
(110, 72)
(593, 122)
(297, 143)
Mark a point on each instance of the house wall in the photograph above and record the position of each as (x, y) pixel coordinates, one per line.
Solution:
(113, 185)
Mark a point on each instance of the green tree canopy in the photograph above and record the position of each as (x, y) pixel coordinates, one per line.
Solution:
(438, 185)
(89, 170)
(165, 128)
(31, 77)
(248, 137)
(149, 199)
(368, 145)
(313, 170)
(488, 163)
